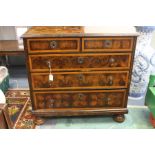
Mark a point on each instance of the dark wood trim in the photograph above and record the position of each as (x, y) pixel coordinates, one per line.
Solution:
(28, 72)
(80, 112)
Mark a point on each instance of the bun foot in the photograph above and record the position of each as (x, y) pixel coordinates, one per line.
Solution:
(39, 121)
(119, 118)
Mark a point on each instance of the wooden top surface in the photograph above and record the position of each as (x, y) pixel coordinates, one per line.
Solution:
(78, 31)
(10, 46)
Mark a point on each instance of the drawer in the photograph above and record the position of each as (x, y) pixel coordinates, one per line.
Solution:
(79, 99)
(68, 62)
(76, 80)
(107, 44)
(53, 45)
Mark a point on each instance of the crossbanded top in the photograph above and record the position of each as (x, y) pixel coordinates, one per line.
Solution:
(79, 31)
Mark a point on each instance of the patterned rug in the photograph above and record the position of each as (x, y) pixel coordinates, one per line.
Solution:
(19, 107)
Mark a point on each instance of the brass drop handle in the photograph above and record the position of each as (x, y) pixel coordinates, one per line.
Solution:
(80, 97)
(53, 44)
(107, 43)
(80, 60)
(51, 103)
(81, 77)
(108, 101)
(49, 64)
(112, 62)
(110, 80)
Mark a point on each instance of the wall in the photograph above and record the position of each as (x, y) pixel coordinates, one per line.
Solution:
(7, 33)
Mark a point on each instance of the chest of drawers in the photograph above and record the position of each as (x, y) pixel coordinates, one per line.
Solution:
(75, 73)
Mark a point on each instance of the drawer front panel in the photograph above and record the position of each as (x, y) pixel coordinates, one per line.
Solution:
(81, 99)
(54, 45)
(76, 80)
(107, 44)
(68, 62)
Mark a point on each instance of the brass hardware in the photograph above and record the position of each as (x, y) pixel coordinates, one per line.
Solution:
(49, 64)
(80, 60)
(81, 77)
(51, 105)
(108, 101)
(122, 82)
(80, 96)
(112, 60)
(110, 80)
(107, 43)
(53, 44)
(51, 101)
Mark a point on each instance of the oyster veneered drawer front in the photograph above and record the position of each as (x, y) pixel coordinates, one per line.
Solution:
(80, 80)
(107, 44)
(68, 62)
(53, 45)
(79, 99)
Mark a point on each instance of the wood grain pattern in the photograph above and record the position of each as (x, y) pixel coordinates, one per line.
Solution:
(53, 45)
(117, 44)
(80, 80)
(51, 30)
(92, 78)
(79, 99)
(77, 31)
(72, 62)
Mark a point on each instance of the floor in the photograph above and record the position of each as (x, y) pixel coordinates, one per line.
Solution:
(138, 118)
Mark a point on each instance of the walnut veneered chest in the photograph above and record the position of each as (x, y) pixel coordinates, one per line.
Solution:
(75, 71)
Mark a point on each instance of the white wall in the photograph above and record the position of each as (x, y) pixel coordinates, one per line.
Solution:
(7, 33)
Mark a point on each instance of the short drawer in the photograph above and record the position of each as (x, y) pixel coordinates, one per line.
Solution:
(72, 62)
(53, 45)
(107, 44)
(79, 99)
(76, 80)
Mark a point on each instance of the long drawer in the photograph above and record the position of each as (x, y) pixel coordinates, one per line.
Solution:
(107, 44)
(53, 45)
(72, 62)
(79, 99)
(80, 80)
